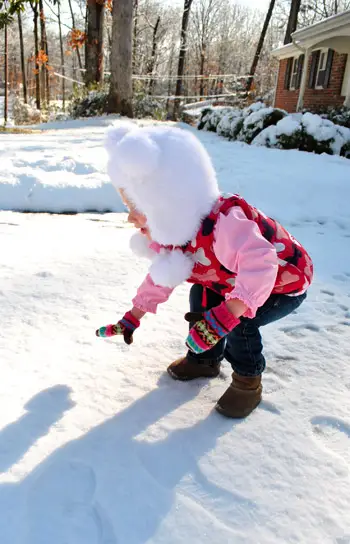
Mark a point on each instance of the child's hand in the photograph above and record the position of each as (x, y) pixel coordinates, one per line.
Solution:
(209, 327)
(125, 327)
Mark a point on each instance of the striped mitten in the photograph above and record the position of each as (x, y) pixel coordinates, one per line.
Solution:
(209, 328)
(125, 327)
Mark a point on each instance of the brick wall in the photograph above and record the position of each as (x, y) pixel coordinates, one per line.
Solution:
(285, 99)
(313, 98)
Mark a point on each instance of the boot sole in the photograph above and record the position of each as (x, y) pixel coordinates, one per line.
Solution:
(178, 378)
(189, 378)
(224, 413)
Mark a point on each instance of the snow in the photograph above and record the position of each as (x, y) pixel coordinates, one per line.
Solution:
(257, 117)
(288, 125)
(330, 136)
(98, 444)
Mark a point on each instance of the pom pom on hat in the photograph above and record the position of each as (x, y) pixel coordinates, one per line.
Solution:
(116, 133)
(137, 155)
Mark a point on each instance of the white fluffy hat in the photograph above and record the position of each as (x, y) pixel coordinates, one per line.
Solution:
(168, 175)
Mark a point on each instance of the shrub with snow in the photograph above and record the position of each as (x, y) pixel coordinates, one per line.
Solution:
(88, 104)
(306, 132)
(148, 107)
(259, 120)
(339, 116)
(211, 118)
(25, 114)
(237, 124)
(271, 127)
(230, 124)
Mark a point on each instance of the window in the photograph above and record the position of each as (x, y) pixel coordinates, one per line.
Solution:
(294, 75)
(346, 80)
(321, 69)
(294, 72)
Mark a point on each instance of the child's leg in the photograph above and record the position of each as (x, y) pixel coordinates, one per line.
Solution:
(244, 349)
(244, 352)
(207, 364)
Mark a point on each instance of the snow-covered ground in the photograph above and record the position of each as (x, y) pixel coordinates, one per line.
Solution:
(97, 444)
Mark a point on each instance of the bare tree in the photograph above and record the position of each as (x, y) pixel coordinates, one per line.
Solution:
(23, 67)
(94, 42)
(182, 54)
(205, 21)
(120, 91)
(260, 45)
(135, 28)
(74, 26)
(6, 67)
(292, 20)
(35, 8)
(63, 70)
(152, 61)
(45, 87)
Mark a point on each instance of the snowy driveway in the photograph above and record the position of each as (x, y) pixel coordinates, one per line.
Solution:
(97, 444)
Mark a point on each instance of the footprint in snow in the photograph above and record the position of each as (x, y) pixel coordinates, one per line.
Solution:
(341, 277)
(333, 433)
(327, 292)
(61, 507)
(343, 540)
(300, 331)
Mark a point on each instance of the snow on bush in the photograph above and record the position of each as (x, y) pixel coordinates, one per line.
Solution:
(259, 120)
(271, 127)
(90, 104)
(25, 114)
(94, 103)
(230, 124)
(306, 132)
(148, 107)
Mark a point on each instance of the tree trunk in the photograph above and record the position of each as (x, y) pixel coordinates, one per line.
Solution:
(134, 42)
(182, 54)
(23, 66)
(292, 20)
(201, 69)
(73, 25)
(153, 56)
(63, 80)
(170, 73)
(120, 91)
(6, 53)
(94, 42)
(36, 48)
(44, 47)
(260, 45)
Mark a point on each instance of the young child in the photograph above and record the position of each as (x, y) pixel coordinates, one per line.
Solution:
(246, 269)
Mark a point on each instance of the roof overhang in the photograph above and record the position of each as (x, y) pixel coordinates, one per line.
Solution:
(333, 32)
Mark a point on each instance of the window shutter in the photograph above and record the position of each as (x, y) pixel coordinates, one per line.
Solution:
(328, 69)
(288, 73)
(300, 70)
(313, 69)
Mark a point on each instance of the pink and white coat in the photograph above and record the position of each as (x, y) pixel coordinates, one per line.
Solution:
(239, 253)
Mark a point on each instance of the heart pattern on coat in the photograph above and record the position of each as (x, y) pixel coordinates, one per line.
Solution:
(201, 258)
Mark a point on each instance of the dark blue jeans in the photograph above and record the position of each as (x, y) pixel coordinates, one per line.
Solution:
(242, 348)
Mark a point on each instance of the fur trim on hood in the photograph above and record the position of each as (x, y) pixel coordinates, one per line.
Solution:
(167, 173)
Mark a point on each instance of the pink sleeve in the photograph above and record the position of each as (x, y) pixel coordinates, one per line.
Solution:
(240, 247)
(149, 295)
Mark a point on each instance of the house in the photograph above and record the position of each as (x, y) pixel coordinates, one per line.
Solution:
(314, 70)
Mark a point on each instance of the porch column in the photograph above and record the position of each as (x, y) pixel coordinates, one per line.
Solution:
(304, 79)
(347, 96)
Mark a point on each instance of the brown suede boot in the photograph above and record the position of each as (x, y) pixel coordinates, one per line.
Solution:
(241, 398)
(186, 369)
